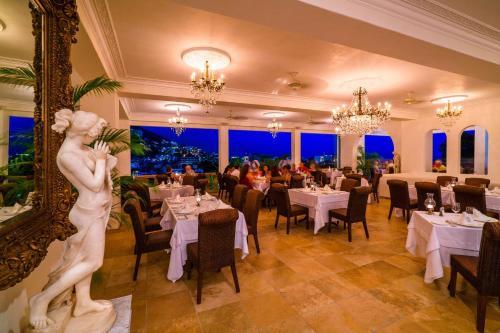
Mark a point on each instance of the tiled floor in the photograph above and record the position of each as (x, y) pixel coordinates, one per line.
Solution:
(299, 283)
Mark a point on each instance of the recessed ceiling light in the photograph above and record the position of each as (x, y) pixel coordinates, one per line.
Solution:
(273, 114)
(446, 99)
(177, 106)
(198, 56)
(2, 26)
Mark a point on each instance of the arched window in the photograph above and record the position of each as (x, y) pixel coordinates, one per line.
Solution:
(438, 151)
(378, 150)
(474, 150)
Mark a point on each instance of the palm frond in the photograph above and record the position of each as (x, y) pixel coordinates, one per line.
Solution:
(118, 139)
(97, 86)
(18, 76)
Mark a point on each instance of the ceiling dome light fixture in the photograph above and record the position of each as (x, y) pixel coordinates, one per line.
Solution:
(451, 99)
(274, 126)
(177, 122)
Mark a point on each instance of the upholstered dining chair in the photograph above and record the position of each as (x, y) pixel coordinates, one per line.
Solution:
(348, 184)
(297, 181)
(222, 185)
(279, 194)
(239, 195)
(356, 177)
(188, 180)
(215, 246)
(355, 211)
(251, 210)
(427, 187)
(477, 181)
(442, 180)
(152, 207)
(375, 183)
(144, 241)
(400, 198)
(472, 196)
(482, 272)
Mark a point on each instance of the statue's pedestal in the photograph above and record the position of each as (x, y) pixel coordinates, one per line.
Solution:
(96, 322)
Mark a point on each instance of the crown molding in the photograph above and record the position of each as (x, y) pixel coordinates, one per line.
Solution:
(426, 20)
(16, 105)
(13, 62)
(128, 105)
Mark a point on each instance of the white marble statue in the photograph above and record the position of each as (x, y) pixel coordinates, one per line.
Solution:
(88, 169)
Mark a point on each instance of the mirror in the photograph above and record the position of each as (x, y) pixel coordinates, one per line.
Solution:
(17, 49)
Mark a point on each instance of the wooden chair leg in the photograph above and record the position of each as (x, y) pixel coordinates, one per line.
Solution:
(189, 267)
(452, 286)
(349, 231)
(390, 212)
(408, 216)
(288, 225)
(295, 219)
(329, 224)
(276, 222)
(137, 264)
(200, 285)
(235, 277)
(307, 219)
(481, 312)
(365, 226)
(256, 239)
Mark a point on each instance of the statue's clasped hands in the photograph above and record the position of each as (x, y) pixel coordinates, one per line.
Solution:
(101, 150)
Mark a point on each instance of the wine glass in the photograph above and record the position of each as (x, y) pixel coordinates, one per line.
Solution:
(455, 208)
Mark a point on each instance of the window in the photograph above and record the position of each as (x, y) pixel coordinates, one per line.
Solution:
(259, 145)
(155, 148)
(474, 151)
(320, 148)
(379, 147)
(20, 146)
(438, 151)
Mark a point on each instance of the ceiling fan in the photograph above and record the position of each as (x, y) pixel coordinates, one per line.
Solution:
(231, 117)
(411, 100)
(312, 122)
(294, 83)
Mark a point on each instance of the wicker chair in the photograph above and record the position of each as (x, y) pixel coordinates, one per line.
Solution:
(442, 180)
(348, 184)
(201, 182)
(482, 272)
(144, 241)
(297, 181)
(427, 187)
(239, 195)
(375, 183)
(215, 246)
(222, 185)
(251, 212)
(151, 207)
(478, 182)
(279, 194)
(355, 211)
(231, 182)
(400, 198)
(472, 196)
(356, 177)
(150, 223)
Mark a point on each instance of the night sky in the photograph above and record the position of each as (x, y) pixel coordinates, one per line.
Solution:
(18, 125)
(206, 139)
(313, 144)
(437, 140)
(380, 144)
(243, 142)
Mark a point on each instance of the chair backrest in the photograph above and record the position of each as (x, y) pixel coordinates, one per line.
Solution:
(252, 206)
(297, 181)
(216, 230)
(279, 193)
(356, 207)
(488, 270)
(470, 196)
(375, 182)
(346, 170)
(220, 180)
(400, 197)
(442, 180)
(427, 187)
(239, 195)
(133, 208)
(142, 191)
(356, 177)
(231, 182)
(200, 182)
(162, 178)
(348, 184)
(188, 180)
(278, 179)
(476, 181)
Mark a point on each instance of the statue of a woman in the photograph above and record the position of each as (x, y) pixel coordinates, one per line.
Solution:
(88, 169)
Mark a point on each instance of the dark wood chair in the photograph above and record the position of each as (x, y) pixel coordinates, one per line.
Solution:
(472, 196)
(355, 211)
(356, 177)
(400, 198)
(346, 170)
(201, 182)
(427, 187)
(482, 272)
(297, 181)
(442, 180)
(320, 178)
(144, 241)
(239, 195)
(215, 246)
(478, 182)
(348, 184)
(375, 183)
(188, 180)
(231, 182)
(251, 210)
(150, 223)
(152, 207)
(279, 194)
(222, 185)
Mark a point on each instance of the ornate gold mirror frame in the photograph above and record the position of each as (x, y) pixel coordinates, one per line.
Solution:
(24, 239)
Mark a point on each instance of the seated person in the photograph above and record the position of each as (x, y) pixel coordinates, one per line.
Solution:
(246, 177)
(302, 168)
(275, 172)
(266, 172)
(236, 171)
(286, 173)
(188, 171)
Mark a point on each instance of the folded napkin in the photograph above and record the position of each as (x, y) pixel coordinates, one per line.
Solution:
(480, 217)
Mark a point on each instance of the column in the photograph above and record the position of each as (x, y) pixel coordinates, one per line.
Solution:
(479, 150)
(223, 147)
(296, 144)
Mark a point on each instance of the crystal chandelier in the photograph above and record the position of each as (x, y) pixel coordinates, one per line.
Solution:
(177, 122)
(449, 114)
(360, 117)
(207, 88)
(274, 128)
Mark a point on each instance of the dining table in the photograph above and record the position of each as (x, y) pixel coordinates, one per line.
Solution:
(436, 238)
(163, 191)
(319, 201)
(181, 216)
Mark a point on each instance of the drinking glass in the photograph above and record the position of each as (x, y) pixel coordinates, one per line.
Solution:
(469, 210)
(456, 208)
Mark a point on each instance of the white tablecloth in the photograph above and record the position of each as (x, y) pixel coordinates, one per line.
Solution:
(319, 203)
(430, 237)
(160, 192)
(334, 175)
(185, 231)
